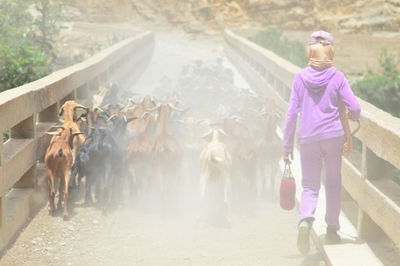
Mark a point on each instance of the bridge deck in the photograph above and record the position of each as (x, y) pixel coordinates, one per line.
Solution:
(137, 234)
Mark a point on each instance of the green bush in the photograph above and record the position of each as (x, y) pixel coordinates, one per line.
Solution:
(382, 89)
(21, 64)
(6, 136)
(273, 40)
(26, 50)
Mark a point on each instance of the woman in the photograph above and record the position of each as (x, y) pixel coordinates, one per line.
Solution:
(317, 93)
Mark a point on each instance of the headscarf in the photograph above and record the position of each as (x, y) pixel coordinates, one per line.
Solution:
(321, 50)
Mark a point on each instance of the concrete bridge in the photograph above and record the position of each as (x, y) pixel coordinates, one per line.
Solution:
(371, 199)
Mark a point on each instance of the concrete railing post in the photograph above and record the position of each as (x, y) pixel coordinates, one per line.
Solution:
(1, 151)
(2, 212)
(28, 180)
(25, 130)
(50, 114)
(366, 227)
(82, 93)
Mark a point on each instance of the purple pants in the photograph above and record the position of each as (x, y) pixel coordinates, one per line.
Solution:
(312, 157)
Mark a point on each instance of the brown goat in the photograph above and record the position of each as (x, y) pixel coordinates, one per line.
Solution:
(58, 161)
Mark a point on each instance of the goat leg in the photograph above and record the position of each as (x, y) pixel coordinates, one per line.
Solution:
(106, 189)
(67, 177)
(88, 190)
(60, 193)
(52, 192)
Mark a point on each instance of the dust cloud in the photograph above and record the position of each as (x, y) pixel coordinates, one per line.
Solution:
(171, 216)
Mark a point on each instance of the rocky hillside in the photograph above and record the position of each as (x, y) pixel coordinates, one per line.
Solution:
(103, 11)
(344, 15)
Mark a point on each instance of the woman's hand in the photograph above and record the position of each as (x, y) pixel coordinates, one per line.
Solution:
(347, 146)
(288, 157)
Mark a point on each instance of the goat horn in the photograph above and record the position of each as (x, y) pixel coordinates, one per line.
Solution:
(132, 101)
(81, 106)
(111, 117)
(106, 106)
(216, 124)
(53, 133)
(173, 107)
(144, 114)
(98, 108)
(58, 126)
(154, 108)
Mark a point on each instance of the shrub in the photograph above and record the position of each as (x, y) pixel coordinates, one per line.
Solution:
(273, 40)
(21, 64)
(26, 49)
(6, 136)
(382, 89)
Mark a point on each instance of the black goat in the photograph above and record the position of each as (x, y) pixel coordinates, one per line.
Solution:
(115, 143)
(90, 161)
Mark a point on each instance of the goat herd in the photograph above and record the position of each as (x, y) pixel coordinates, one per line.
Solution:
(203, 134)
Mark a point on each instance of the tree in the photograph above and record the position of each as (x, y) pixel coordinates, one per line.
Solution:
(21, 64)
(21, 61)
(45, 27)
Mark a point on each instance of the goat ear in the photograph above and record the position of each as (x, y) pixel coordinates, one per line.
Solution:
(131, 119)
(208, 136)
(105, 107)
(61, 111)
(223, 133)
(71, 139)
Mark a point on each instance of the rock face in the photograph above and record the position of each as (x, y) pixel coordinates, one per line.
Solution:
(345, 15)
(110, 11)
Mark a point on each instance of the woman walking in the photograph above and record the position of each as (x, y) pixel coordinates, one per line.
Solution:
(317, 93)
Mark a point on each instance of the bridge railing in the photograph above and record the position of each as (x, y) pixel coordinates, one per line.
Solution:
(368, 178)
(30, 110)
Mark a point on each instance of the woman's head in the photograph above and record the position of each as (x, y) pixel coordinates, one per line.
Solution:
(321, 50)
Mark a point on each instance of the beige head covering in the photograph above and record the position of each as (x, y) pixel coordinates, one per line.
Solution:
(321, 50)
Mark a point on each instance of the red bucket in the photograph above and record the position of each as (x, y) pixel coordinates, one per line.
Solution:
(287, 190)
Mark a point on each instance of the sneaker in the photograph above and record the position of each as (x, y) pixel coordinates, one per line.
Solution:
(303, 237)
(332, 237)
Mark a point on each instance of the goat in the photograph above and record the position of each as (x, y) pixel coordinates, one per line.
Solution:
(58, 162)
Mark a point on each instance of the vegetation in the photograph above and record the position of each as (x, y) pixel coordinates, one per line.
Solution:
(26, 50)
(273, 40)
(21, 64)
(45, 27)
(382, 89)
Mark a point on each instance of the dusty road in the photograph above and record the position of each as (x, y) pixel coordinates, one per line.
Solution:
(138, 234)
(134, 236)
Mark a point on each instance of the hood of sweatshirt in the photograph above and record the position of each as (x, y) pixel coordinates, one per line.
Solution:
(316, 80)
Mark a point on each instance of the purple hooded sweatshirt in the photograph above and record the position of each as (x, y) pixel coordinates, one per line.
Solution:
(315, 95)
